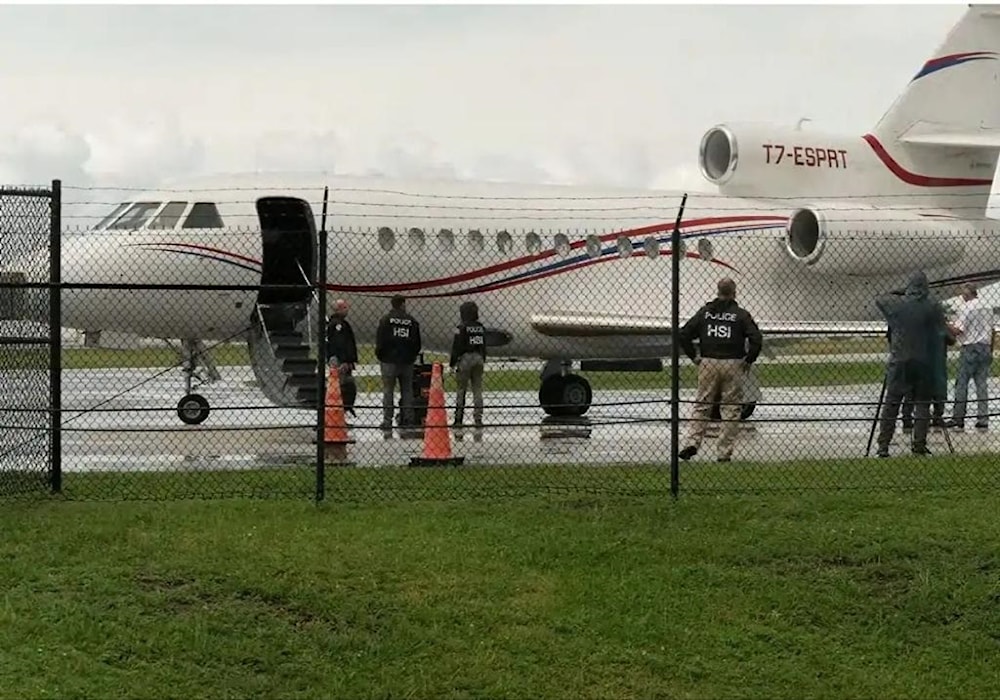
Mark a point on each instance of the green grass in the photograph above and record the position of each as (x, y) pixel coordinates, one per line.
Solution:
(817, 373)
(850, 595)
(938, 473)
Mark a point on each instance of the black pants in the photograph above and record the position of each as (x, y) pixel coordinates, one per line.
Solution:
(906, 411)
(905, 378)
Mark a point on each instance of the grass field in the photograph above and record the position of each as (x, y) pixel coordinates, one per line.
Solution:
(849, 595)
(817, 373)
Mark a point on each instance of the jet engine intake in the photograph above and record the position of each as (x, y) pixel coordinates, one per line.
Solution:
(866, 241)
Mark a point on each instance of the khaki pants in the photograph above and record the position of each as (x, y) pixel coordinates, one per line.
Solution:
(723, 378)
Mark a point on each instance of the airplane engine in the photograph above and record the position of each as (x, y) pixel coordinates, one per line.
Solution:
(857, 241)
(761, 159)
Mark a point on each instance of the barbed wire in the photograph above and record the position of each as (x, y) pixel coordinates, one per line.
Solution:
(638, 194)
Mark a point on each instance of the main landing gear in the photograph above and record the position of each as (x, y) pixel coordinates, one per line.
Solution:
(563, 394)
(193, 408)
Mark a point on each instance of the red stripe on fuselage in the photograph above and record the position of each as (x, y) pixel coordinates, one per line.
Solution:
(916, 179)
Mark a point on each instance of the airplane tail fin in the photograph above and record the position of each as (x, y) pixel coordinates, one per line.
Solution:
(954, 99)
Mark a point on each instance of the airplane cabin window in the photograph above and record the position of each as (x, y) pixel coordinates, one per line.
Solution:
(416, 237)
(705, 249)
(446, 239)
(203, 215)
(386, 238)
(533, 242)
(561, 244)
(593, 245)
(113, 215)
(476, 241)
(624, 246)
(168, 216)
(136, 216)
(652, 247)
(504, 241)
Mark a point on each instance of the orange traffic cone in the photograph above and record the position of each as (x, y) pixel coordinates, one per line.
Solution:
(335, 435)
(437, 439)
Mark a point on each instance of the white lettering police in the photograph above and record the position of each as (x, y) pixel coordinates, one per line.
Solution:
(723, 329)
(401, 327)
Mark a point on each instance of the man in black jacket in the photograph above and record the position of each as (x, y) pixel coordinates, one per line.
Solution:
(730, 342)
(916, 326)
(397, 345)
(342, 352)
(468, 358)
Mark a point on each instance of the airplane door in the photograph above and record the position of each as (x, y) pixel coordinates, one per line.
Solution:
(288, 231)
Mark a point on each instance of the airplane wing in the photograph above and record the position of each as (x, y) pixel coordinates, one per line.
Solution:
(585, 325)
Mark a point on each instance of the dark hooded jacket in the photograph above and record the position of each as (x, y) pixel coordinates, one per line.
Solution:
(340, 341)
(916, 323)
(470, 335)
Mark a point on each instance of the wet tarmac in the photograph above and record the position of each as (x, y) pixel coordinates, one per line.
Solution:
(126, 420)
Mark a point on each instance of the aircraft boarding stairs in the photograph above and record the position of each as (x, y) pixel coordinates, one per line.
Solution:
(283, 352)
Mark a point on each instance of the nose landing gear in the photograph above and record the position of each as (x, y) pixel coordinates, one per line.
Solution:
(193, 408)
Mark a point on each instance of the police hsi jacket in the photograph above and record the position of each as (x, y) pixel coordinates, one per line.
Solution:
(469, 337)
(724, 331)
(398, 341)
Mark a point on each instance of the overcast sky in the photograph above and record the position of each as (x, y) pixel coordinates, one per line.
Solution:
(585, 94)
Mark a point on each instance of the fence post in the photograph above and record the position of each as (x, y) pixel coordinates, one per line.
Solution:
(55, 335)
(675, 351)
(321, 353)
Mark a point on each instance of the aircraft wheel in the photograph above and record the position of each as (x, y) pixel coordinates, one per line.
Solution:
(576, 395)
(565, 395)
(549, 393)
(192, 409)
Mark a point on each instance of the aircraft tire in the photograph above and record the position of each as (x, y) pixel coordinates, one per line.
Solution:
(565, 395)
(193, 409)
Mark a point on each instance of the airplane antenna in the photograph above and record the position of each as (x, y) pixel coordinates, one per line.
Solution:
(798, 127)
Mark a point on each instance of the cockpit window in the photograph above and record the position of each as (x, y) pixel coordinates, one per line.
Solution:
(169, 216)
(113, 215)
(137, 215)
(203, 215)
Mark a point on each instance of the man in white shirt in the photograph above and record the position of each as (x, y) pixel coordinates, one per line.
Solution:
(974, 330)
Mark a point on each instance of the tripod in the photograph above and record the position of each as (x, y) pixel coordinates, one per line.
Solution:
(878, 412)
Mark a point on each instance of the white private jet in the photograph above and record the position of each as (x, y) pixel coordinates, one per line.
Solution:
(811, 226)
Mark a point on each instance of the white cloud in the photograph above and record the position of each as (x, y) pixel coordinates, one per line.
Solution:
(36, 154)
(585, 95)
(140, 153)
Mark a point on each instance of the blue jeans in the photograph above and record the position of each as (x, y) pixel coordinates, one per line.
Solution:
(973, 363)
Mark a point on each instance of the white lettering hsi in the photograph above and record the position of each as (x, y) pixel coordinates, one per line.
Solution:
(719, 330)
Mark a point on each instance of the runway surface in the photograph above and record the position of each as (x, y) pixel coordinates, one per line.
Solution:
(125, 420)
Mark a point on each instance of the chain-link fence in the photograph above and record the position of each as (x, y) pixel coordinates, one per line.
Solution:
(194, 319)
(29, 342)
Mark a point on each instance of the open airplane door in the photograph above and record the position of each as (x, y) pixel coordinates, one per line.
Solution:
(288, 233)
